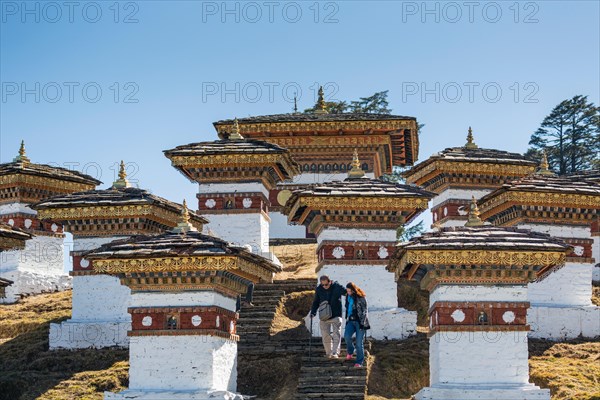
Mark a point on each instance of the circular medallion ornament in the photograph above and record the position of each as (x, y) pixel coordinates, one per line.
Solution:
(54, 227)
(247, 202)
(458, 315)
(383, 252)
(445, 211)
(509, 317)
(196, 320)
(283, 196)
(84, 263)
(578, 250)
(210, 203)
(231, 327)
(11, 222)
(218, 322)
(147, 320)
(28, 223)
(338, 252)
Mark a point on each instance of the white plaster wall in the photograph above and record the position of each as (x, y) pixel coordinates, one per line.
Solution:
(182, 363)
(569, 286)
(477, 293)
(250, 187)
(459, 194)
(378, 284)
(12, 208)
(91, 243)
(596, 255)
(373, 235)
(560, 323)
(528, 392)
(281, 230)
(181, 299)
(88, 334)
(560, 231)
(453, 222)
(100, 298)
(42, 255)
(28, 283)
(242, 229)
(488, 359)
(308, 178)
(38, 268)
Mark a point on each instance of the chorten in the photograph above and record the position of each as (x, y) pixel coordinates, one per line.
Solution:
(39, 266)
(11, 239)
(356, 222)
(477, 277)
(184, 287)
(457, 174)
(235, 176)
(96, 217)
(566, 208)
(320, 142)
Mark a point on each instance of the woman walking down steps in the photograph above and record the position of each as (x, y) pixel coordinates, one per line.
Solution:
(357, 322)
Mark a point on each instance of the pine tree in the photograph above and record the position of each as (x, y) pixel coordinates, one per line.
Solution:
(570, 135)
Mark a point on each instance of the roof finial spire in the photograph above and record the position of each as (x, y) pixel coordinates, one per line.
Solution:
(356, 171)
(295, 104)
(22, 157)
(235, 134)
(470, 143)
(321, 107)
(184, 224)
(544, 167)
(474, 219)
(122, 182)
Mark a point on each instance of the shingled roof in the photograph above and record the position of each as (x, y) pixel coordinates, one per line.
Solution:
(9, 232)
(46, 171)
(216, 147)
(363, 187)
(548, 183)
(171, 244)
(302, 117)
(484, 238)
(128, 196)
(589, 175)
(474, 155)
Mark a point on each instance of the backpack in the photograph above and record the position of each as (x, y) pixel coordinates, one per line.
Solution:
(324, 311)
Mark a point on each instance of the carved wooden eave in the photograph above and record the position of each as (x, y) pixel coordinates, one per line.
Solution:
(12, 238)
(27, 188)
(543, 199)
(479, 255)
(469, 168)
(384, 140)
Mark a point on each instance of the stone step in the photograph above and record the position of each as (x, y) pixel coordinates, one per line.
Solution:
(312, 380)
(337, 388)
(330, 396)
(251, 314)
(269, 307)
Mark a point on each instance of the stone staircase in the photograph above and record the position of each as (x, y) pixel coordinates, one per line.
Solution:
(335, 379)
(320, 378)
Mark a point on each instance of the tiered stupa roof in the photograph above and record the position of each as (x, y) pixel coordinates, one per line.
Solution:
(478, 255)
(316, 140)
(120, 209)
(357, 200)
(234, 159)
(543, 197)
(27, 182)
(469, 166)
(12, 238)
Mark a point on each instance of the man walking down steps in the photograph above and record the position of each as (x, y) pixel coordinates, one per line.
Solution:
(331, 328)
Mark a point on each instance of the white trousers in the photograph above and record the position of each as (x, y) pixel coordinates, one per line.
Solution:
(331, 332)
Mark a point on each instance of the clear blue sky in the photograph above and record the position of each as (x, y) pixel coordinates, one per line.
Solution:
(173, 56)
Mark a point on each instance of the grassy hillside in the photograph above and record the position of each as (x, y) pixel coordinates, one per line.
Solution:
(28, 370)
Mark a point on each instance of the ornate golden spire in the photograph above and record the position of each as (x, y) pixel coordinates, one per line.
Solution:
(22, 157)
(474, 219)
(184, 224)
(122, 182)
(320, 107)
(356, 171)
(544, 167)
(470, 144)
(235, 134)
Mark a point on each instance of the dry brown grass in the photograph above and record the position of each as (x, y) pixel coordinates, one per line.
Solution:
(596, 294)
(299, 261)
(570, 370)
(28, 370)
(289, 317)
